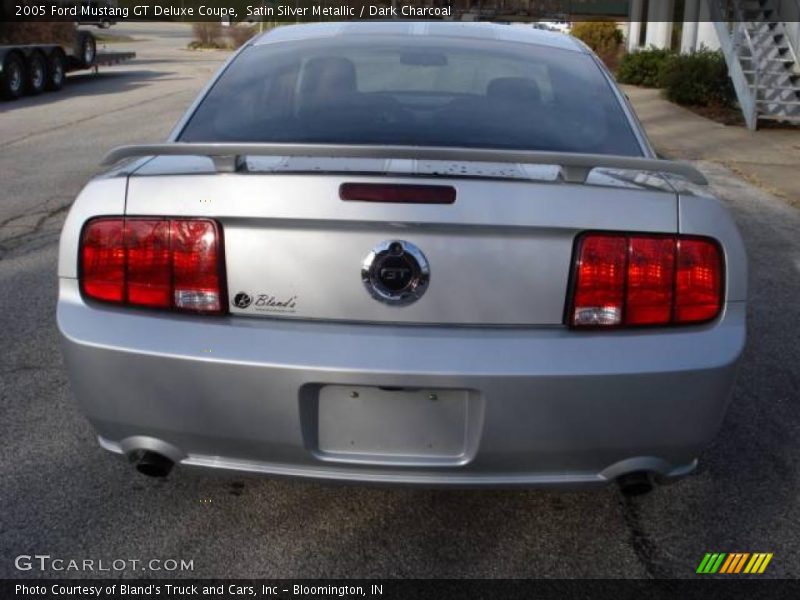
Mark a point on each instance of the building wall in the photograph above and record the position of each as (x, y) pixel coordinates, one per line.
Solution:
(651, 23)
(790, 12)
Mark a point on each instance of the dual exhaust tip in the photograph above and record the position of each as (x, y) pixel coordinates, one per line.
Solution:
(157, 465)
(151, 463)
(637, 483)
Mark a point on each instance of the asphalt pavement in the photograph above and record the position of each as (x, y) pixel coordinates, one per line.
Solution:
(62, 495)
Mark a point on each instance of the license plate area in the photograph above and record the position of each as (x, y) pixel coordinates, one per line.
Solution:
(399, 426)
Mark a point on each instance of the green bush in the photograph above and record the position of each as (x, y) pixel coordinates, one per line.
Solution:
(699, 79)
(644, 67)
(604, 37)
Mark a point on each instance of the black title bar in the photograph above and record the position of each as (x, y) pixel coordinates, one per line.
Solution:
(282, 11)
(701, 587)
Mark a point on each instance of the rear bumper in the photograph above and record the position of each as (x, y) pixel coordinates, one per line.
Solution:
(546, 406)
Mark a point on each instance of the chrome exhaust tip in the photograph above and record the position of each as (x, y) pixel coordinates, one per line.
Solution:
(150, 463)
(637, 483)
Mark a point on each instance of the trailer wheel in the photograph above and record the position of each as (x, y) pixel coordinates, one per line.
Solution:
(56, 70)
(12, 81)
(36, 72)
(87, 49)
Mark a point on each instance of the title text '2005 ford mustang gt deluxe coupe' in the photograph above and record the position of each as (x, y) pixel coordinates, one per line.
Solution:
(416, 253)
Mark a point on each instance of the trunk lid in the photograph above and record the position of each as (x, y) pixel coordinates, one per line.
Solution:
(499, 255)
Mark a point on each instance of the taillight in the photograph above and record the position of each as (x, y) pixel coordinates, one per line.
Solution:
(398, 193)
(172, 264)
(645, 280)
(195, 265)
(103, 260)
(601, 272)
(698, 285)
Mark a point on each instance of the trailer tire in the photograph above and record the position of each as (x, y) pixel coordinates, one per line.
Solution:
(36, 73)
(87, 49)
(12, 82)
(56, 70)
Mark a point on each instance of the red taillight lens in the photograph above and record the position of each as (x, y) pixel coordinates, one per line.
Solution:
(103, 260)
(157, 263)
(149, 272)
(651, 268)
(638, 280)
(601, 272)
(195, 265)
(403, 193)
(697, 289)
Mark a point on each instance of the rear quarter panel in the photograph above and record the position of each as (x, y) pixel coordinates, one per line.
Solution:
(703, 214)
(101, 196)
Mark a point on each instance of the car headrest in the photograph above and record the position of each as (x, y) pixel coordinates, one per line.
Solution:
(514, 89)
(328, 76)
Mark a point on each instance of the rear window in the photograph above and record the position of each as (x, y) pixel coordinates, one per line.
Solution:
(415, 91)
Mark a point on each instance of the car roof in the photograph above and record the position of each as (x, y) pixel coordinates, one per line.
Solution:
(451, 29)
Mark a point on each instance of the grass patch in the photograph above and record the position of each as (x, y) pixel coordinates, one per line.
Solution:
(197, 45)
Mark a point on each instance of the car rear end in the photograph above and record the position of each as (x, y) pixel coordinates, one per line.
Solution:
(381, 318)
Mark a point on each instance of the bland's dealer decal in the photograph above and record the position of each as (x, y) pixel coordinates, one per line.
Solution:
(264, 303)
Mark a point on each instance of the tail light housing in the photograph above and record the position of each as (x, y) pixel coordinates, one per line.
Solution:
(637, 280)
(168, 264)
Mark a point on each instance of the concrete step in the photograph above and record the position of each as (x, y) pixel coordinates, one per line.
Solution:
(785, 61)
(789, 118)
(790, 74)
(780, 88)
(779, 102)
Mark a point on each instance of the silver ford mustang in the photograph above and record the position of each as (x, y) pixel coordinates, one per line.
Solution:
(413, 253)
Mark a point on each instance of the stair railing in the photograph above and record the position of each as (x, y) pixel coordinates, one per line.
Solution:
(733, 34)
(794, 45)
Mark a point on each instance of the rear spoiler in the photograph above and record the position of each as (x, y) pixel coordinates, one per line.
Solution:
(575, 168)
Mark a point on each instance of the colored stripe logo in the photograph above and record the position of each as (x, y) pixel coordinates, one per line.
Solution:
(734, 563)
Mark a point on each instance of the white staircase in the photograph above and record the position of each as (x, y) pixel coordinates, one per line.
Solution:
(761, 60)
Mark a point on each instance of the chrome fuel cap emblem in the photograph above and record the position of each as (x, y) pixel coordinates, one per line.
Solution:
(396, 272)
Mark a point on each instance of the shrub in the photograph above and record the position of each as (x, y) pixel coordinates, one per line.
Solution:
(699, 79)
(598, 35)
(644, 67)
(603, 37)
(207, 35)
(239, 34)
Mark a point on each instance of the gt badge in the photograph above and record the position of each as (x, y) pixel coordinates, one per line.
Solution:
(396, 272)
